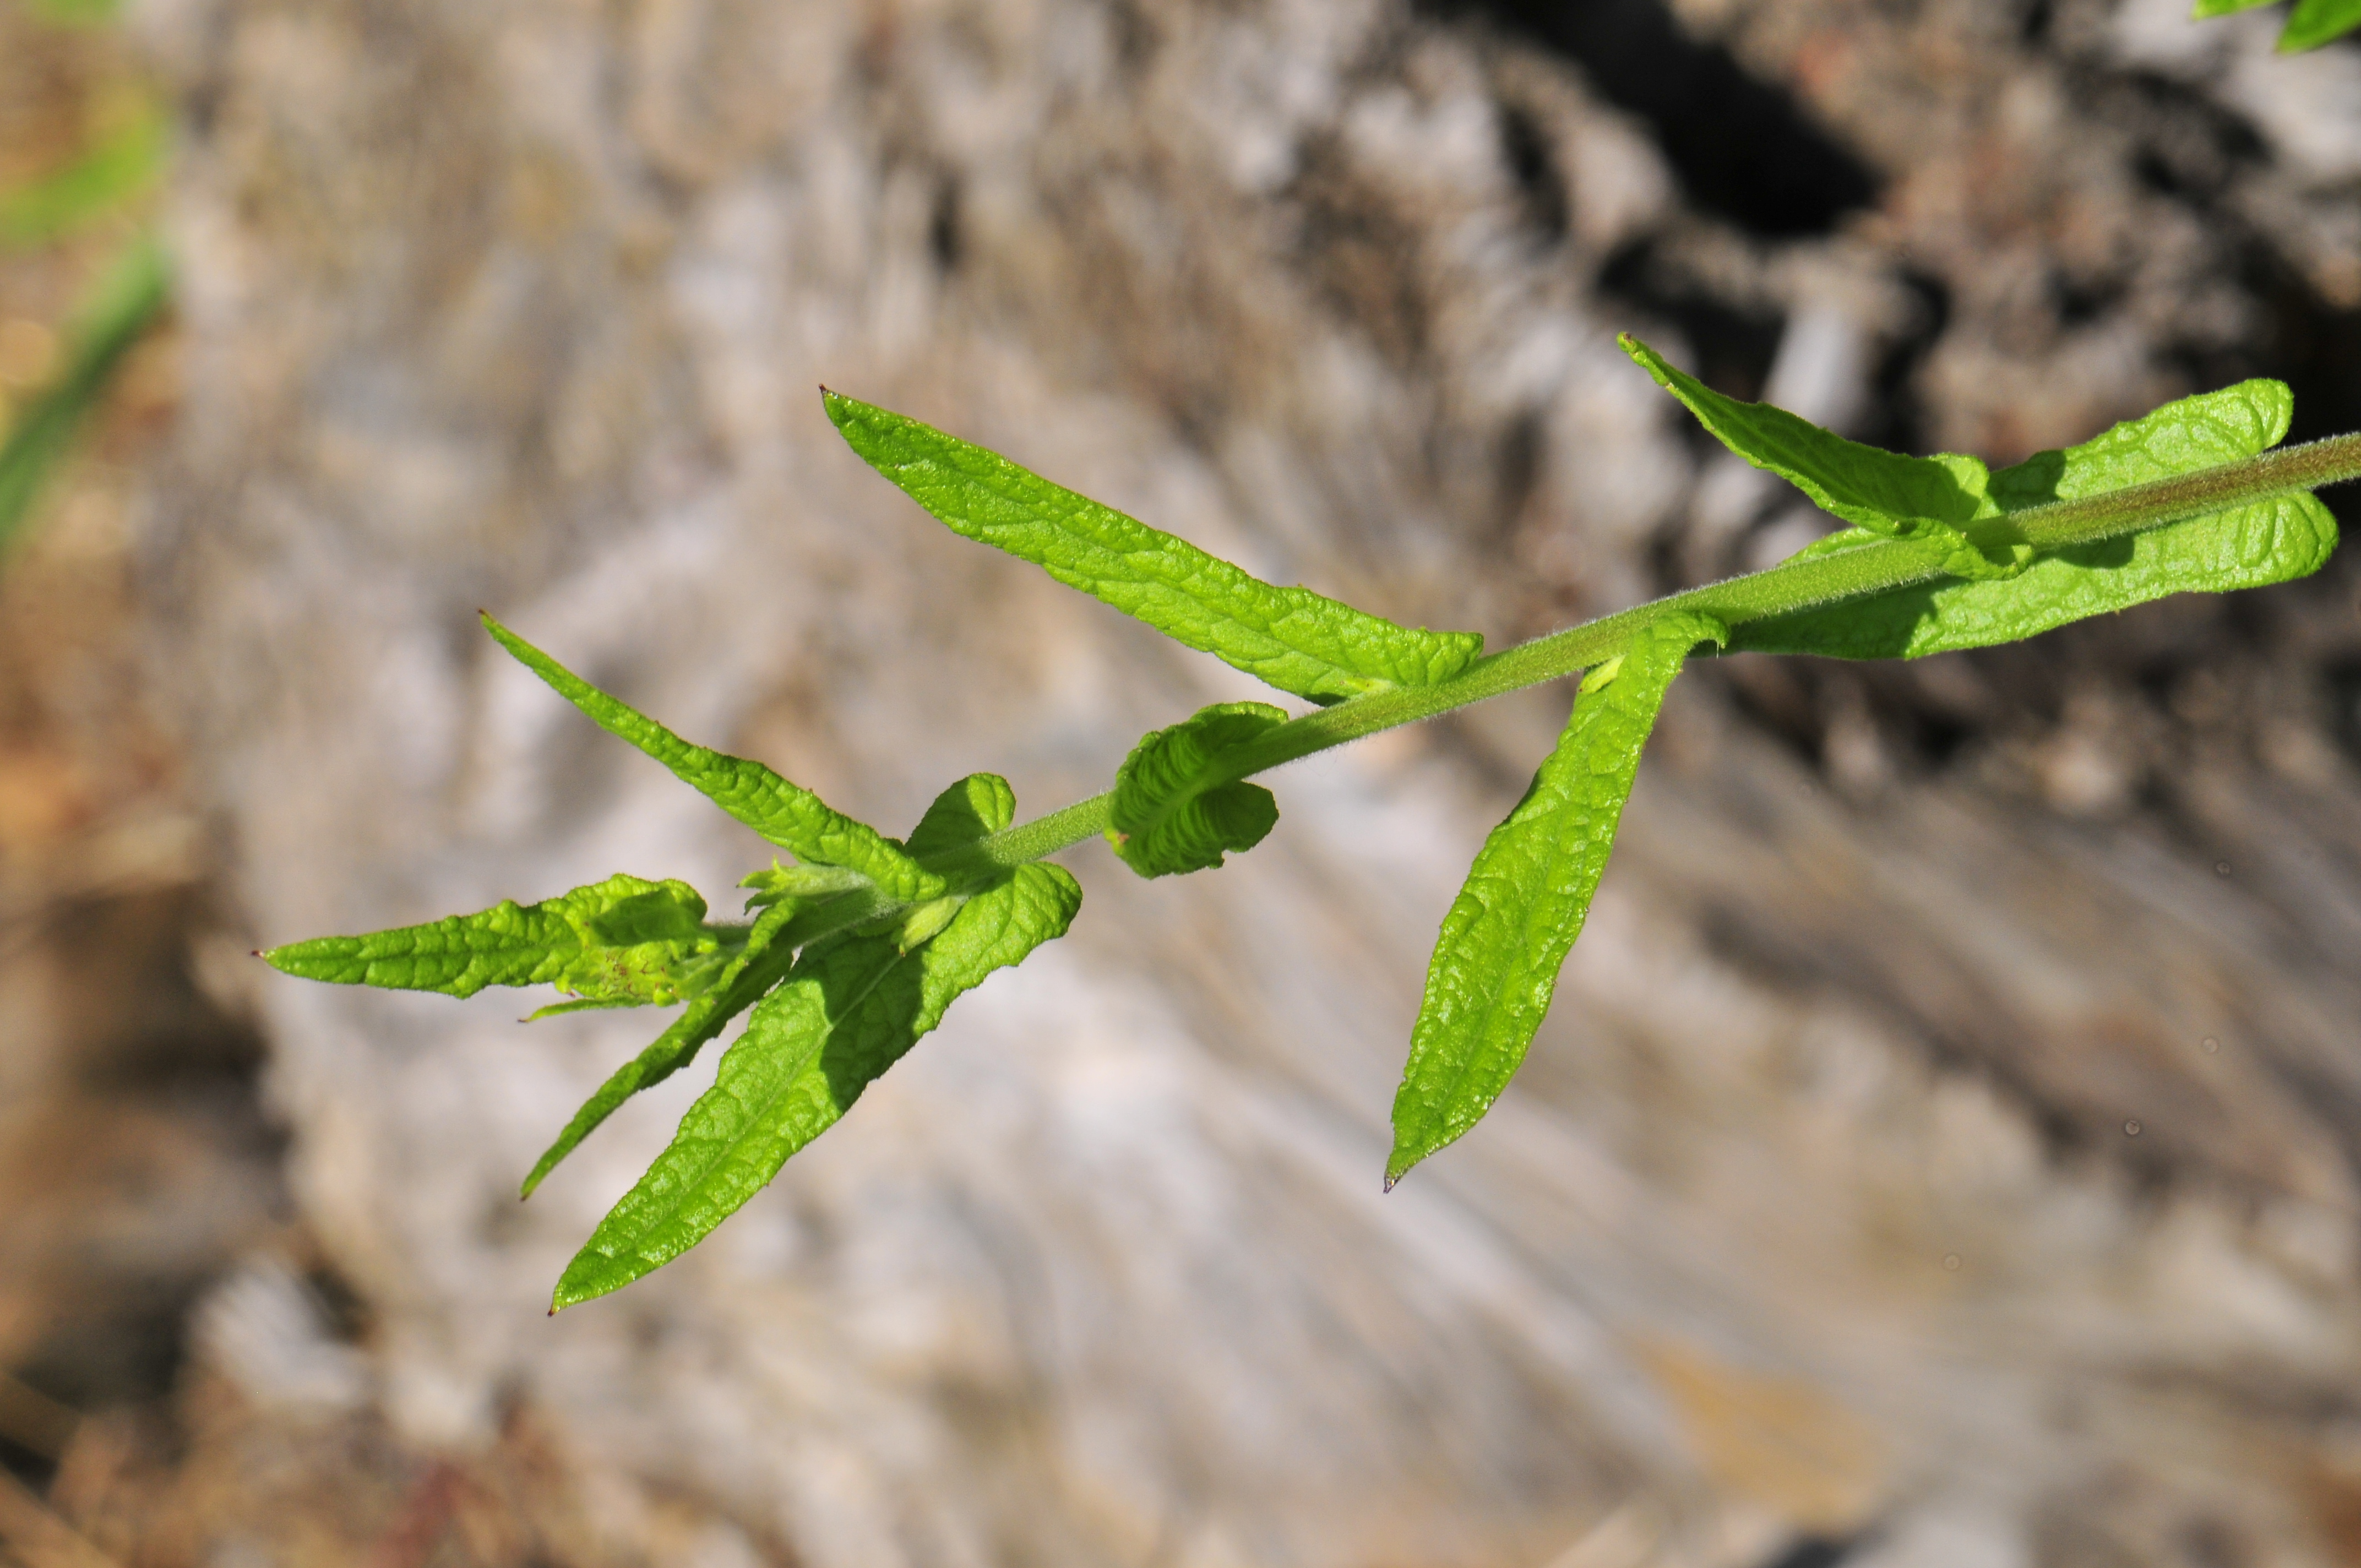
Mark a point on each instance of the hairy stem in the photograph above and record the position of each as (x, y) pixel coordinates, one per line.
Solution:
(1782, 590)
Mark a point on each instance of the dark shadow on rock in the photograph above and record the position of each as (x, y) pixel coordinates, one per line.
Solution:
(1744, 149)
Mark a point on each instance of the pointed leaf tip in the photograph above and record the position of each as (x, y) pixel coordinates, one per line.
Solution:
(783, 812)
(1885, 492)
(1497, 959)
(621, 942)
(1298, 640)
(847, 1011)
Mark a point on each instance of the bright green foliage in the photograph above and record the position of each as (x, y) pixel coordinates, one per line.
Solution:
(2310, 25)
(977, 805)
(787, 814)
(753, 969)
(857, 950)
(848, 1010)
(1174, 809)
(127, 302)
(1293, 637)
(623, 942)
(2268, 541)
(779, 883)
(1883, 493)
(1508, 933)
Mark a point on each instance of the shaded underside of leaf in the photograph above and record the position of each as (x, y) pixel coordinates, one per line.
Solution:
(1291, 637)
(786, 814)
(2248, 546)
(1507, 934)
(849, 1009)
(623, 939)
(1169, 814)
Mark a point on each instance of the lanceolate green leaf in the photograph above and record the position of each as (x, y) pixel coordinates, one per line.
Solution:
(977, 805)
(2248, 546)
(848, 1011)
(622, 940)
(787, 814)
(2204, 8)
(1171, 811)
(1881, 492)
(1293, 637)
(1508, 933)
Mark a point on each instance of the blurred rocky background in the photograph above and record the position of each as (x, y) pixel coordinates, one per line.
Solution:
(1945, 1150)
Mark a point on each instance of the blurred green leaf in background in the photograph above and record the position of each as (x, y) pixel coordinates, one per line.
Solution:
(111, 179)
(76, 13)
(125, 166)
(2311, 24)
(129, 298)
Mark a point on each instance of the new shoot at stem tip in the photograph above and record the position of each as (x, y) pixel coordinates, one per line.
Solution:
(856, 948)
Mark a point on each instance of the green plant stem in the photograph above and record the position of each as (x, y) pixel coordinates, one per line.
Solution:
(1792, 585)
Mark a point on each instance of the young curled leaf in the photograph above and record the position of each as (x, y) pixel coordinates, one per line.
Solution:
(921, 924)
(850, 1008)
(1508, 933)
(2268, 541)
(623, 942)
(787, 814)
(777, 883)
(1174, 811)
(1293, 637)
(977, 807)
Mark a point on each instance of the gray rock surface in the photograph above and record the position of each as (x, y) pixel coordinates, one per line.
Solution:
(1933, 1149)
